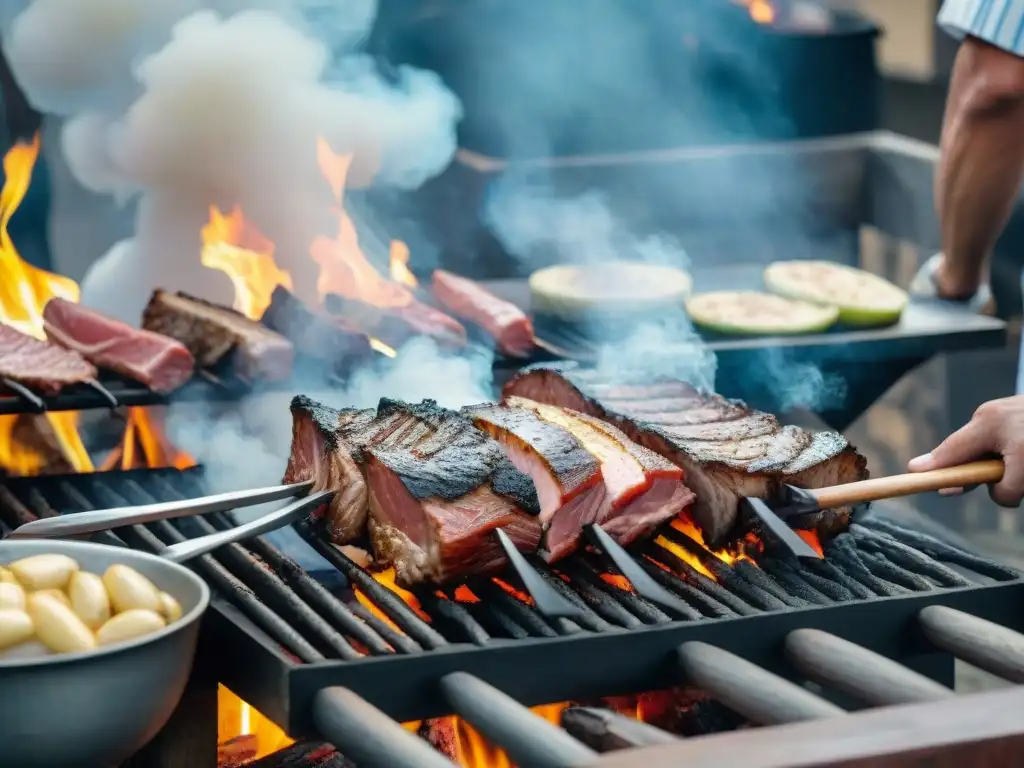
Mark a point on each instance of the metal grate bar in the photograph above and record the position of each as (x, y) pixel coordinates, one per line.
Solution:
(529, 740)
(607, 731)
(758, 695)
(866, 676)
(982, 643)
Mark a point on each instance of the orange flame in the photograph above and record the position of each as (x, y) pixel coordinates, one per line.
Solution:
(24, 291)
(145, 445)
(399, 265)
(344, 268)
(234, 246)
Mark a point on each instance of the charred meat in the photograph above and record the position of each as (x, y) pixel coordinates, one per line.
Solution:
(439, 489)
(315, 336)
(567, 476)
(318, 453)
(159, 362)
(641, 488)
(506, 323)
(216, 335)
(39, 365)
(727, 451)
(396, 325)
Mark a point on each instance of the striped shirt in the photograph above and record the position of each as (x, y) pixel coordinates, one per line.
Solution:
(999, 22)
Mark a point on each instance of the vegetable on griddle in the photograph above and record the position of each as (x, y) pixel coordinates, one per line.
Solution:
(751, 313)
(863, 299)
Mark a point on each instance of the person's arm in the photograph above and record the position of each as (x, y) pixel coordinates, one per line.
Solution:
(982, 162)
(22, 120)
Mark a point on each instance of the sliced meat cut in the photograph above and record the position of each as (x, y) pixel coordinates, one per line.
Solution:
(506, 323)
(567, 476)
(727, 451)
(396, 325)
(642, 489)
(439, 489)
(39, 365)
(216, 335)
(159, 362)
(318, 337)
(319, 454)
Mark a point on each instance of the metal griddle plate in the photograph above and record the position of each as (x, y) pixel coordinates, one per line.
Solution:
(927, 327)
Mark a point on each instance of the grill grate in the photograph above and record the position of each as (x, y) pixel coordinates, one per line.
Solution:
(286, 637)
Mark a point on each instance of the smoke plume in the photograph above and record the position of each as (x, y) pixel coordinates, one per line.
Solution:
(187, 104)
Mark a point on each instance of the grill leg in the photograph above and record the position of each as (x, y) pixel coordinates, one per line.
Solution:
(189, 740)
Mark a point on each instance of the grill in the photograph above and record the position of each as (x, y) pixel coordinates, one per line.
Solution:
(317, 661)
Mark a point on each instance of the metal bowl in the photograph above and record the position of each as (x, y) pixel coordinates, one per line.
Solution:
(99, 708)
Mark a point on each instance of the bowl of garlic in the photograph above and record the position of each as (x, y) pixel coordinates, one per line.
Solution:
(96, 646)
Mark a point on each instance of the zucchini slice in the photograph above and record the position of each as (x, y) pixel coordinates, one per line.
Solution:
(752, 313)
(615, 288)
(864, 300)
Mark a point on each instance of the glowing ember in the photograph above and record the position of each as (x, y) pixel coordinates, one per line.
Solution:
(344, 268)
(24, 291)
(684, 524)
(235, 247)
(379, 346)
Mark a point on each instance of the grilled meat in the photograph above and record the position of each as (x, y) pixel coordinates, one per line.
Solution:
(315, 336)
(642, 489)
(506, 323)
(216, 335)
(159, 362)
(567, 476)
(727, 451)
(319, 454)
(39, 365)
(396, 325)
(438, 490)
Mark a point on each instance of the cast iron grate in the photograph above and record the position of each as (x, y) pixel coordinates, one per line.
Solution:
(286, 637)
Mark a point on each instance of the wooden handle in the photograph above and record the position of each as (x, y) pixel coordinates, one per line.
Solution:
(975, 473)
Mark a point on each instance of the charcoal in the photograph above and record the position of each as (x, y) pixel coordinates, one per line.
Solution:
(692, 595)
(708, 586)
(881, 565)
(792, 580)
(940, 550)
(524, 615)
(754, 595)
(631, 601)
(762, 580)
(847, 559)
(607, 731)
(826, 586)
(305, 754)
(829, 571)
(597, 598)
(455, 616)
(907, 557)
(391, 636)
(587, 619)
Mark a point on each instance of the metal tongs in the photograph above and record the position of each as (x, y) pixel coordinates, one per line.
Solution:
(105, 519)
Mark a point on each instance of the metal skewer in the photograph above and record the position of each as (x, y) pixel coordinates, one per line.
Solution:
(103, 392)
(25, 393)
(105, 519)
(644, 585)
(547, 600)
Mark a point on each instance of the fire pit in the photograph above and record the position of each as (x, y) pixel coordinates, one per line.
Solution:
(281, 639)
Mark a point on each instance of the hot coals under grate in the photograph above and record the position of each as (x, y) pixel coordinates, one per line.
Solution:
(283, 636)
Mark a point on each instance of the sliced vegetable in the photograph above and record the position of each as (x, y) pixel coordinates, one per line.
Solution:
(863, 299)
(612, 288)
(750, 313)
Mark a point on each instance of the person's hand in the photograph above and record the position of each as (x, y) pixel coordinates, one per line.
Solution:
(997, 428)
(934, 281)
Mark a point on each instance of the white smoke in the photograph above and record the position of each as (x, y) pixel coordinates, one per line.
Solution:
(190, 104)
